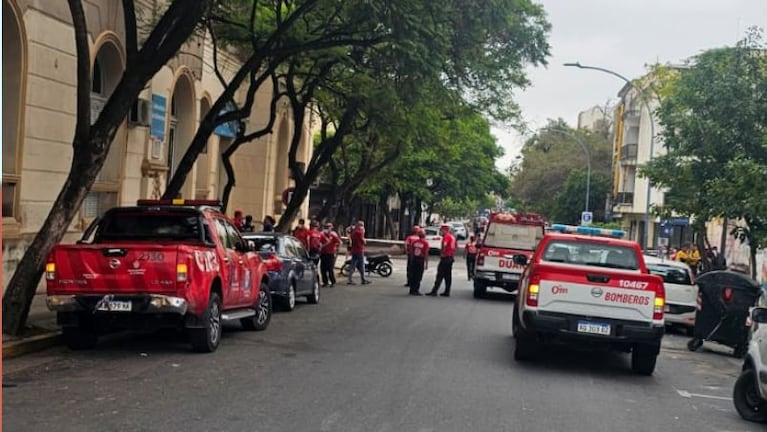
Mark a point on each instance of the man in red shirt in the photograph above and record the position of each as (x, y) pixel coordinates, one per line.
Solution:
(300, 232)
(470, 253)
(409, 250)
(420, 262)
(314, 240)
(357, 239)
(328, 255)
(445, 267)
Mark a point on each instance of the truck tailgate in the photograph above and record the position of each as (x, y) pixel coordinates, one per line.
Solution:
(124, 268)
(596, 292)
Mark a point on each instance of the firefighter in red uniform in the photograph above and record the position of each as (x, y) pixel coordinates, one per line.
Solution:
(300, 232)
(420, 262)
(409, 250)
(314, 240)
(328, 255)
(470, 253)
(445, 267)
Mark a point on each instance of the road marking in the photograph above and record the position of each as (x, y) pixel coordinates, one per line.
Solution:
(686, 394)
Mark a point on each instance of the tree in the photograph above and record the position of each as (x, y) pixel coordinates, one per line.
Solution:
(91, 142)
(714, 120)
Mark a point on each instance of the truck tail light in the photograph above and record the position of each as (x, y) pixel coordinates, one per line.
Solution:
(273, 263)
(182, 272)
(727, 295)
(531, 297)
(481, 258)
(50, 271)
(659, 304)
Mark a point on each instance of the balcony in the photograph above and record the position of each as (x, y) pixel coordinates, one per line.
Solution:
(624, 198)
(629, 154)
(631, 115)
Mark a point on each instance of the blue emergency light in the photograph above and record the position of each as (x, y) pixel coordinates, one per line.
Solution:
(587, 230)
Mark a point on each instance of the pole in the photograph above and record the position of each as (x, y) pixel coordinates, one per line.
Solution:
(646, 105)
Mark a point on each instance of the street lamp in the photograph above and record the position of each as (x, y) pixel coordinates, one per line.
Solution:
(652, 137)
(585, 149)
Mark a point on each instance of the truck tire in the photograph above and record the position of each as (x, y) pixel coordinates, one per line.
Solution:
(525, 346)
(314, 297)
(81, 337)
(289, 301)
(206, 338)
(643, 359)
(260, 321)
(745, 397)
(480, 289)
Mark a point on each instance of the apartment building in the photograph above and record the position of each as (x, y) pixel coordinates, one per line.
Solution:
(39, 82)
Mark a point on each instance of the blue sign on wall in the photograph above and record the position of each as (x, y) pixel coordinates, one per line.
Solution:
(159, 111)
(228, 129)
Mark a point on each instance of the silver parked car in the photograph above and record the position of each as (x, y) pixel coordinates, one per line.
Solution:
(750, 392)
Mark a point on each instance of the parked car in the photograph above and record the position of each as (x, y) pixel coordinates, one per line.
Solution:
(434, 238)
(459, 229)
(291, 273)
(750, 391)
(681, 291)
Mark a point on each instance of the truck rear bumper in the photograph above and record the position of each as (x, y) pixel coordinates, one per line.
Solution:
(565, 327)
(507, 281)
(141, 304)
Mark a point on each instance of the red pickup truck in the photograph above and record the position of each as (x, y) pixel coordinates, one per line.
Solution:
(585, 286)
(163, 263)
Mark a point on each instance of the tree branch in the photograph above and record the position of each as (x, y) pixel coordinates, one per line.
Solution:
(131, 40)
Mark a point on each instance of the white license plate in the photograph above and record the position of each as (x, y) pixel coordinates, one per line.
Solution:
(594, 328)
(510, 276)
(115, 306)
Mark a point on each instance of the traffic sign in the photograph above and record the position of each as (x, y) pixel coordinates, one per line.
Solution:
(586, 218)
(287, 195)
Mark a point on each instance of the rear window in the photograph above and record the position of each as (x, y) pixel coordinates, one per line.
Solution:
(264, 244)
(507, 236)
(592, 254)
(670, 274)
(150, 225)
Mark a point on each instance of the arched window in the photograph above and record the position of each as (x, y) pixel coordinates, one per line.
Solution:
(14, 81)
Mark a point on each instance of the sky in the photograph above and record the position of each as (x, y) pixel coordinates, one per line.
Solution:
(623, 36)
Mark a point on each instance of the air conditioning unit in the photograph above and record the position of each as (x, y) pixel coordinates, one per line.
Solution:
(140, 113)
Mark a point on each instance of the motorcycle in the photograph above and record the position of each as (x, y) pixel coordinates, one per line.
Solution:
(380, 264)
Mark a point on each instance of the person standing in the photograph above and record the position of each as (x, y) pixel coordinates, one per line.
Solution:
(328, 255)
(470, 253)
(247, 226)
(269, 223)
(446, 258)
(409, 240)
(357, 240)
(300, 232)
(238, 221)
(314, 241)
(420, 262)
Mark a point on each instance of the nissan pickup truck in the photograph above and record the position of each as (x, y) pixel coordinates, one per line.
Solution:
(587, 286)
(159, 264)
(506, 235)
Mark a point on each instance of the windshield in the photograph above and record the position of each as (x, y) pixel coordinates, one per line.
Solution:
(507, 236)
(145, 225)
(591, 253)
(670, 274)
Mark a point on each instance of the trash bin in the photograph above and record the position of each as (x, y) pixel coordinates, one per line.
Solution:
(724, 299)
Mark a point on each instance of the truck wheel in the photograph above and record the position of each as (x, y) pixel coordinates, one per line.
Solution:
(207, 338)
(314, 297)
(746, 398)
(80, 338)
(525, 347)
(289, 301)
(480, 289)
(260, 321)
(385, 269)
(643, 359)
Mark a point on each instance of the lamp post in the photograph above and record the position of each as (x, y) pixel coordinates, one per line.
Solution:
(652, 138)
(585, 149)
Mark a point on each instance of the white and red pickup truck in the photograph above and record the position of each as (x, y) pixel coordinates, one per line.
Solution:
(586, 286)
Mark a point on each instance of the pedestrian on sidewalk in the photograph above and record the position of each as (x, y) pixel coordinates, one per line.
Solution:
(314, 240)
(357, 239)
(445, 267)
(470, 253)
(301, 232)
(328, 256)
(409, 240)
(420, 262)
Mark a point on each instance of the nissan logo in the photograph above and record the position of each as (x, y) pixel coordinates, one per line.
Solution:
(114, 263)
(596, 292)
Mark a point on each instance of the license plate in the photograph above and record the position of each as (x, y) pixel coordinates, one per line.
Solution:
(115, 306)
(510, 276)
(593, 328)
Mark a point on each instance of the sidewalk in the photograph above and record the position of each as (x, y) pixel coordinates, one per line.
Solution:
(41, 331)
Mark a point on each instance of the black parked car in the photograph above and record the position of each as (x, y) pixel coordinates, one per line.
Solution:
(292, 273)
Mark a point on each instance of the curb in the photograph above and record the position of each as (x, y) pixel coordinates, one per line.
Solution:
(31, 344)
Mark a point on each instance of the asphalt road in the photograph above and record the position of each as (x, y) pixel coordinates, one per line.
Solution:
(369, 358)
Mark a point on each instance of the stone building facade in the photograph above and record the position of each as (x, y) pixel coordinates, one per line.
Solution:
(39, 94)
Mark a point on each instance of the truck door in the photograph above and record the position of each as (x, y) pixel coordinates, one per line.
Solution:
(230, 266)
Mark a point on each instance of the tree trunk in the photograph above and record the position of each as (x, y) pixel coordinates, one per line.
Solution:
(700, 242)
(723, 238)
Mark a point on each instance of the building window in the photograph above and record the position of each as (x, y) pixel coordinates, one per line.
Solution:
(13, 81)
(96, 203)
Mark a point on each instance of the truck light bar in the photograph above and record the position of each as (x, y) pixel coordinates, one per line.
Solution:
(178, 202)
(587, 230)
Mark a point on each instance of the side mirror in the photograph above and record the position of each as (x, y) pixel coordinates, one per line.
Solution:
(759, 315)
(520, 260)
